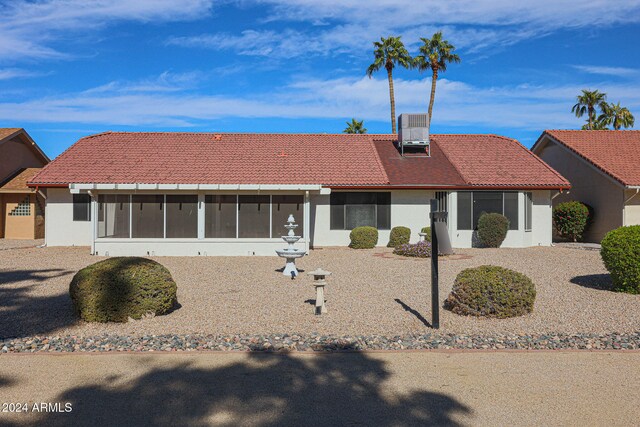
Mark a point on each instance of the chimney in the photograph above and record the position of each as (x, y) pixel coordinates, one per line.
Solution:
(413, 131)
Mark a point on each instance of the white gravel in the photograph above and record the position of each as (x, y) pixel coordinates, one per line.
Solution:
(247, 295)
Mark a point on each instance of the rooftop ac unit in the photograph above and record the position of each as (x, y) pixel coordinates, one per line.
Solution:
(413, 131)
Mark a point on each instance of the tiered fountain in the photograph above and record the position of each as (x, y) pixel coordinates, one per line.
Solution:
(291, 253)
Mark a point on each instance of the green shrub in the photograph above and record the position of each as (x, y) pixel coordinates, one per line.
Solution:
(570, 219)
(621, 255)
(115, 289)
(491, 291)
(417, 250)
(428, 231)
(363, 238)
(492, 229)
(399, 236)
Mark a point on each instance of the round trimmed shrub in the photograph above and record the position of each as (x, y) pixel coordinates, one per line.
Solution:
(399, 236)
(417, 250)
(492, 229)
(116, 289)
(621, 255)
(570, 219)
(428, 231)
(491, 291)
(363, 237)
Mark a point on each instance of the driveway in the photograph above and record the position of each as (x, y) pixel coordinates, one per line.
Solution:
(386, 389)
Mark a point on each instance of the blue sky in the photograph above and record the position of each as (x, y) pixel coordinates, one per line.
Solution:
(70, 68)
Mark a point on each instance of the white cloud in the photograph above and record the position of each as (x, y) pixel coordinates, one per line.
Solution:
(14, 73)
(607, 71)
(457, 103)
(29, 28)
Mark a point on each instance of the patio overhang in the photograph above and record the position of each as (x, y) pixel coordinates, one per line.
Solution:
(84, 187)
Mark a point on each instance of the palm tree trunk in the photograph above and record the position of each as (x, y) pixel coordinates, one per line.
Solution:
(434, 78)
(392, 98)
(591, 111)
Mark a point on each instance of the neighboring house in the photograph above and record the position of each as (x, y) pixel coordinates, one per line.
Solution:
(21, 207)
(603, 167)
(164, 193)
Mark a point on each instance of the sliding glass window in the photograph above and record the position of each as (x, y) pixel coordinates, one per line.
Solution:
(281, 208)
(473, 204)
(351, 210)
(113, 215)
(182, 216)
(253, 216)
(220, 216)
(147, 216)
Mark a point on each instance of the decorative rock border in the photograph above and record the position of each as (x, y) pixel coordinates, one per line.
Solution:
(316, 342)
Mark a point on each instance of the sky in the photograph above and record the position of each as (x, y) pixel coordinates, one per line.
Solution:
(71, 68)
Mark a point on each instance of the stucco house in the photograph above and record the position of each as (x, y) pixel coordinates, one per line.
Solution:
(21, 207)
(162, 193)
(603, 167)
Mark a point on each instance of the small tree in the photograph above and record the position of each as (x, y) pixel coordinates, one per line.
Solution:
(571, 219)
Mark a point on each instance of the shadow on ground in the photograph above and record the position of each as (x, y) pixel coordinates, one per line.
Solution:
(413, 311)
(23, 313)
(594, 281)
(264, 389)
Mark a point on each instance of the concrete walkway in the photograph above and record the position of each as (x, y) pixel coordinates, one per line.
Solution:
(402, 388)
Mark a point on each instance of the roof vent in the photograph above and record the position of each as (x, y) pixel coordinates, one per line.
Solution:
(413, 131)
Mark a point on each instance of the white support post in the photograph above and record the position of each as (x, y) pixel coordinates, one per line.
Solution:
(94, 221)
(306, 216)
(201, 218)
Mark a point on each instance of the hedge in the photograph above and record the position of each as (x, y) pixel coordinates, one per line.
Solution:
(492, 229)
(399, 236)
(428, 231)
(571, 219)
(417, 250)
(491, 291)
(363, 238)
(116, 289)
(621, 255)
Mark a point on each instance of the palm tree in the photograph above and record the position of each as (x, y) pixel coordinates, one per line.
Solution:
(435, 54)
(587, 103)
(388, 53)
(355, 126)
(616, 116)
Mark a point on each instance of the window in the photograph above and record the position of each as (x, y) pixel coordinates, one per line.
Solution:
(253, 216)
(281, 208)
(22, 209)
(147, 216)
(182, 216)
(220, 216)
(473, 204)
(351, 210)
(81, 207)
(113, 215)
(528, 211)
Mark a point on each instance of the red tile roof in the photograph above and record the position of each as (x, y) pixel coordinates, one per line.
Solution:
(615, 152)
(329, 159)
(208, 158)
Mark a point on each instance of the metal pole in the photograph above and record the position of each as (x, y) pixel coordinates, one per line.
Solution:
(435, 297)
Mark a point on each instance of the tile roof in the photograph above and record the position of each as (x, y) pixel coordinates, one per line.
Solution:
(18, 181)
(615, 152)
(493, 160)
(209, 158)
(329, 159)
(5, 132)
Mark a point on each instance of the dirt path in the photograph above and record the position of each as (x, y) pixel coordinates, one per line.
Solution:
(402, 388)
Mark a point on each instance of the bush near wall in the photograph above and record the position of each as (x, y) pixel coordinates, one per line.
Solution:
(621, 255)
(491, 291)
(570, 219)
(120, 288)
(428, 231)
(492, 229)
(399, 236)
(363, 238)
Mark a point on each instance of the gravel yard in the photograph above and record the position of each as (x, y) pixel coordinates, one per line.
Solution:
(370, 292)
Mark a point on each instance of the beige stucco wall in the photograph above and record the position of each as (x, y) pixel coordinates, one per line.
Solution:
(15, 155)
(588, 185)
(632, 208)
(18, 227)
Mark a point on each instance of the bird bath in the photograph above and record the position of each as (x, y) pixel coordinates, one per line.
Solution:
(290, 253)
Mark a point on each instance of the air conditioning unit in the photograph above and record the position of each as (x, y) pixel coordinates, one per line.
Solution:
(413, 131)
